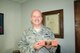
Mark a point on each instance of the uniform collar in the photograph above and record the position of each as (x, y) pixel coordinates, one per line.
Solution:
(34, 31)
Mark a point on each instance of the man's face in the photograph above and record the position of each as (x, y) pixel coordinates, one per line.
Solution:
(36, 18)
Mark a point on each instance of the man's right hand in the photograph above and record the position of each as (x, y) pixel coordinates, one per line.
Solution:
(39, 44)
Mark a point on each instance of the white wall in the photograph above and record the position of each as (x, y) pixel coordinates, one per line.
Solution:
(68, 43)
(12, 25)
(17, 16)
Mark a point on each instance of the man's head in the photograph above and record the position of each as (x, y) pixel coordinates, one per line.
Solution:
(36, 17)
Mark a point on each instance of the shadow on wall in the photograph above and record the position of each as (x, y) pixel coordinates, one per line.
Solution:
(11, 49)
(8, 50)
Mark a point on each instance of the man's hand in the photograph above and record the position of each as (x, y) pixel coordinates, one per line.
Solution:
(51, 43)
(39, 44)
(54, 43)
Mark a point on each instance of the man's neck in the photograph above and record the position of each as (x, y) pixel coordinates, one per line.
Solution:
(37, 27)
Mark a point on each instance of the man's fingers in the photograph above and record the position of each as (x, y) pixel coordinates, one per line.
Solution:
(54, 43)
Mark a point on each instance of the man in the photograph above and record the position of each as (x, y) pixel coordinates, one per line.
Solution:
(38, 38)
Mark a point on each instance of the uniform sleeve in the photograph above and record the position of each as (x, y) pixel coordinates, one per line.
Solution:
(24, 44)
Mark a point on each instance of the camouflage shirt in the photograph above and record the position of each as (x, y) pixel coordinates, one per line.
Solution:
(31, 37)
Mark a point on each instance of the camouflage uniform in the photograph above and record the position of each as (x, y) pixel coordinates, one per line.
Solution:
(31, 37)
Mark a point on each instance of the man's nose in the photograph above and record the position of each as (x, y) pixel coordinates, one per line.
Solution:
(36, 17)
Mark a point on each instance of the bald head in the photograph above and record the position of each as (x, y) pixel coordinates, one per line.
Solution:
(37, 11)
(36, 17)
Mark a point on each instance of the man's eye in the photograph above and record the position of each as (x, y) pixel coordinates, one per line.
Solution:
(39, 16)
(33, 16)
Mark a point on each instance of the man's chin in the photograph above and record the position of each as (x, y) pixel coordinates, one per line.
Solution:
(36, 23)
